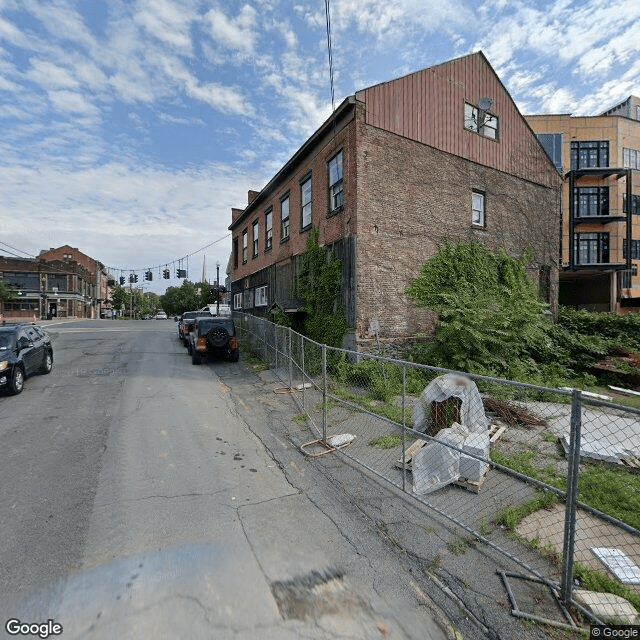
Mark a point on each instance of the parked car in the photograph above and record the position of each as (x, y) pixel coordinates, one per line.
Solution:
(25, 349)
(213, 337)
(186, 321)
(161, 315)
(225, 309)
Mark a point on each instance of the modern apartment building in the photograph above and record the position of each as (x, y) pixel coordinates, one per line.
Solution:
(442, 153)
(599, 159)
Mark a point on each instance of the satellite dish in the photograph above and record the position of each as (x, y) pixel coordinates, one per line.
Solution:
(485, 103)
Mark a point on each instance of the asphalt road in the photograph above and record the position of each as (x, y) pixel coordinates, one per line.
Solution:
(145, 497)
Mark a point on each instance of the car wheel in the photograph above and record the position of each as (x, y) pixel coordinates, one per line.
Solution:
(218, 337)
(16, 384)
(47, 364)
(195, 358)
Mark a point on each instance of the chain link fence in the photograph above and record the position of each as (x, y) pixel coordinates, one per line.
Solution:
(509, 463)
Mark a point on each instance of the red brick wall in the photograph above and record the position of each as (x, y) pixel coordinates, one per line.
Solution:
(411, 197)
(331, 229)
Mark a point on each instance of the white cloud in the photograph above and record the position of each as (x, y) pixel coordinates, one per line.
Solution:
(170, 22)
(238, 33)
(49, 75)
(73, 102)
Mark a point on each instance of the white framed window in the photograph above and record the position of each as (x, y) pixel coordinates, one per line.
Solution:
(480, 121)
(336, 183)
(237, 301)
(268, 229)
(256, 237)
(261, 296)
(284, 217)
(478, 217)
(245, 246)
(305, 202)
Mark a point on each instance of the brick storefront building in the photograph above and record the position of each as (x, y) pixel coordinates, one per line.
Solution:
(61, 283)
(400, 166)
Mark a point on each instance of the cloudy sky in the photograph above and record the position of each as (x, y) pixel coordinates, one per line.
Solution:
(129, 128)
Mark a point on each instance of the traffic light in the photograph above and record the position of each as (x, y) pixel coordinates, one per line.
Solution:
(131, 278)
(148, 275)
(182, 273)
(166, 274)
(135, 277)
(121, 279)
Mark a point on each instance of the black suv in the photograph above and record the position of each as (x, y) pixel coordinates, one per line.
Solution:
(24, 349)
(213, 336)
(185, 323)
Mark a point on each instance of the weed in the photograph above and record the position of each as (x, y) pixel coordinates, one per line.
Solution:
(435, 564)
(458, 546)
(301, 420)
(512, 516)
(484, 526)
(594, 580)
(386, 442)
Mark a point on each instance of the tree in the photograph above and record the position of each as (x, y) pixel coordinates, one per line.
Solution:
(119, 297)
(6, 292)
(490, 315)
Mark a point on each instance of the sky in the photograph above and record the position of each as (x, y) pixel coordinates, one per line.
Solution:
(130, 128)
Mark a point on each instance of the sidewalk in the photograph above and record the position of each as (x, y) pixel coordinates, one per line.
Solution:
(424, 556)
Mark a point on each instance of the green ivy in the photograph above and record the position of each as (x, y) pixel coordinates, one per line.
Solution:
(318, 283)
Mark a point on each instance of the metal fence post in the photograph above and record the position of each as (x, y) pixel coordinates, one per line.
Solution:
(404, 426)
(290, 361)
(324, 392)
(572, 497)
(303, 371)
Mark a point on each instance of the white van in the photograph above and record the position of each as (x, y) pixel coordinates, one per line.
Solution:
(225, 309)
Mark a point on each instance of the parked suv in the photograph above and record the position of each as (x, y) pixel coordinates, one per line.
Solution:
(185, 323)
(25, 349)
(213, 336)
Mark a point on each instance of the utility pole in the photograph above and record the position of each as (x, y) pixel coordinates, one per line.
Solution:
(218, 288)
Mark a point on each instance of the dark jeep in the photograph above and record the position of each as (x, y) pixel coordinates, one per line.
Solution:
(185, 324)
(25, 349)
(213, 336)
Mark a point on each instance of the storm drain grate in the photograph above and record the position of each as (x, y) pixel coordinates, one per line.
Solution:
(311, 596)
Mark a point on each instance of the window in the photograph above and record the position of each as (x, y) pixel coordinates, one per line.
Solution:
(268, 229)
(552, 144)
(261, 296)
(235, 253)
(256, 237)
(284, 218)
(589, 202)
(591, 248)
(237, 301)
(635, 204)
(635, 249)
(336, 191)
(247, 299)
(482, 122)
(631, 158)
(589, 154)
(305, 202)
(57, 282)
(245, 246)
(477, 209)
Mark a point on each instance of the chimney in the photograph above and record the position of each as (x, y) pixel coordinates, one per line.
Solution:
(235, 214)
(252, 196)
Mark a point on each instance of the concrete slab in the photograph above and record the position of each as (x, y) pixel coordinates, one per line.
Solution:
(607, 607)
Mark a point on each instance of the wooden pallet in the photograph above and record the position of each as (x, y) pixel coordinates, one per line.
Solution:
(631, 461)
(470, 485)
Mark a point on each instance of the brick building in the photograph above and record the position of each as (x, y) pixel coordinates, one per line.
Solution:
(599, 157)
(62, 282)
(399, 167)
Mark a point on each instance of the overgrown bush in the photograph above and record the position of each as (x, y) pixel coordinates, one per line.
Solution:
(492, 322)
